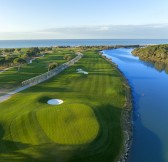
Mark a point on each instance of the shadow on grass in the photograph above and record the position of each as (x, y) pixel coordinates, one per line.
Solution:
(101, 149)
(40, 89)
(9, 146)
(105, 74)
(105, 148)
(44, 99)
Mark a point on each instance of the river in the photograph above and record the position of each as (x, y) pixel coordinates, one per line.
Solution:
(150, 110)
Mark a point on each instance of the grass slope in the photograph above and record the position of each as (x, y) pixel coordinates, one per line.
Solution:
(85, 128)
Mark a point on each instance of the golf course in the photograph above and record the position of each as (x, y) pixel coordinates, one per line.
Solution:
(87, 126)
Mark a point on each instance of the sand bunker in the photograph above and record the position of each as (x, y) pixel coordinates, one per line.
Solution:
(55, 102)
(82, 71)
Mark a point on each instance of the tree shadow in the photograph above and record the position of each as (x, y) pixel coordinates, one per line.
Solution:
(9, 144)
(108, 143)
(104, 148)
(44, 99)
(40, 89)
(105, 74)
(109, 137)
(11, 151)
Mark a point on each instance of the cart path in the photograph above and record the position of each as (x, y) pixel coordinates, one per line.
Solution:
(10, 94)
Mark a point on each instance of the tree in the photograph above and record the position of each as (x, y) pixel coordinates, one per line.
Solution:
(2, 60)
(69, 58)
(52, 66)
(1, 51)
(19, 62)
(25, 57)
(9, 60)
(35, 51)
(66, 56)
(155, 53)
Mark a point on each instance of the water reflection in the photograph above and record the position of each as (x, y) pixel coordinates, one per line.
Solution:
(161, 67)
(124, 55)
(149, 87)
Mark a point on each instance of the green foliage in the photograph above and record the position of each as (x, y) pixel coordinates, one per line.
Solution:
(52, 66)
(157, 53)
(19, 61)
(67, 56)
(24, 53)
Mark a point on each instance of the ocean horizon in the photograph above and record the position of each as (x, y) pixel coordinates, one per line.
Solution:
(77, 42)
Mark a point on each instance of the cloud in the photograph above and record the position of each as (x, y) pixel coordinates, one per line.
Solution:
(151, 31)
(157, 31)
(104, 28)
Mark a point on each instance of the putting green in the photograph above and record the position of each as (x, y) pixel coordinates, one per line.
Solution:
(68, 124)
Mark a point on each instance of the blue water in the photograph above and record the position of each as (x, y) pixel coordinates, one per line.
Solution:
(77, 42)
(150, 114)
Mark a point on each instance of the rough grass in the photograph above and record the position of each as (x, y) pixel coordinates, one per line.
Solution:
(12, 77)
(85, 128)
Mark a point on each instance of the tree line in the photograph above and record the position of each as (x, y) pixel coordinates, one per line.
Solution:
(18, 56)
(154, 53)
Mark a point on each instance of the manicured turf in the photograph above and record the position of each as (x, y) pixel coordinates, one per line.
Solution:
(85, 128)
(12, 77)
(78, 120)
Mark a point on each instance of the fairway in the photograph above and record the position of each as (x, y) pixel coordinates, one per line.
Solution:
(86, 127)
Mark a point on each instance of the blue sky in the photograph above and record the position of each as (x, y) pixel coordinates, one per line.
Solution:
(68, 19)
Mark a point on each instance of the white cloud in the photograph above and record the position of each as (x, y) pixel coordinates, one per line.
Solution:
(151, 31)
(104, 28)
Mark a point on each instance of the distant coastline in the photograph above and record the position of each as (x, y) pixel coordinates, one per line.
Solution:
(77, 42)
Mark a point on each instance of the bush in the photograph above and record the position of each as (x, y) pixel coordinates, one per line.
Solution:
(52, 66)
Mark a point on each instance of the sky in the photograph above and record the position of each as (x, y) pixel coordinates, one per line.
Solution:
(83, 19)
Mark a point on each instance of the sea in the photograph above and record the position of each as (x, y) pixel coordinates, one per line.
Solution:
(77, 42)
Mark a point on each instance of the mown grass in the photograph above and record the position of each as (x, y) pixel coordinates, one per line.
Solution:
(85, 128)
(13, 78)
(78, 120)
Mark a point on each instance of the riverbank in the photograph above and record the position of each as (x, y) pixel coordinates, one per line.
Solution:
(126, 118)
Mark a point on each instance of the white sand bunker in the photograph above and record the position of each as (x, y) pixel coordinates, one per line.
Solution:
(82, 71)
(55, 102)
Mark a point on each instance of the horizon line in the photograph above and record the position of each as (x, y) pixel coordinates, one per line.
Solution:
(86, 39)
